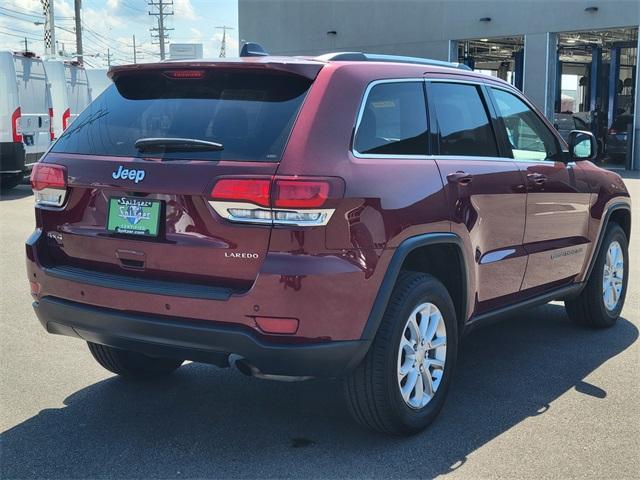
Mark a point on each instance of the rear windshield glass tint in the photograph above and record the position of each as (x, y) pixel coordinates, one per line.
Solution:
(250, 114)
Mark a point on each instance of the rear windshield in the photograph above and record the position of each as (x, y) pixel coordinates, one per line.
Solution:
(250, 114)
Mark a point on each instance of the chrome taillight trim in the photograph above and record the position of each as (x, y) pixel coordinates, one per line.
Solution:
(224, 209)
(52, 197)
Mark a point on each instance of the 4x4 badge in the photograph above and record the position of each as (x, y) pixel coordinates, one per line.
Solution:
(128, 174)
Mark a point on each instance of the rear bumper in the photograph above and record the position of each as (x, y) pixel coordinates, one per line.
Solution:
(12, 158)
(198, 341)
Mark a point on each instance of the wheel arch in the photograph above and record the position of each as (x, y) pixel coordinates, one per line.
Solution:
(619, 213)
(418, 254)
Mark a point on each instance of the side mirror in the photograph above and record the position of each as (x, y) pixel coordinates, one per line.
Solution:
(582, 145)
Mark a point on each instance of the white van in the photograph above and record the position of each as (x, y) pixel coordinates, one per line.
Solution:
(70, 93)
(25, 109)
(98, 81)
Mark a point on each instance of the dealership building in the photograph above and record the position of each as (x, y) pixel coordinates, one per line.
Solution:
(577, 60)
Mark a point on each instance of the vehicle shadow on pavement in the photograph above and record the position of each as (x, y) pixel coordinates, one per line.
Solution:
(206, 422)
(20, 191)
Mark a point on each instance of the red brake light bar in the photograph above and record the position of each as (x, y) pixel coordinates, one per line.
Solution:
(184, 74)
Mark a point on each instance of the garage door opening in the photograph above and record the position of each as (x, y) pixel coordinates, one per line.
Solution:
(596, 89)
(500, 57)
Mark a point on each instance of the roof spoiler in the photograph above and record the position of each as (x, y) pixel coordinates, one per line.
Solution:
(374, 57)
(251, 49)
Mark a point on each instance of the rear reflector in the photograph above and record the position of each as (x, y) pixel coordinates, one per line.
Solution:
(49, 184)
(277, 325)
(35, 288)
(184, 74)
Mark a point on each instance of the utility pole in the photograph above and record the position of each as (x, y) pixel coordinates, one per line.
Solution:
(135, 59)
(77, 7)
(26, 45)
(161, 13)
(223, 44)
(49, 27)
(108, 58)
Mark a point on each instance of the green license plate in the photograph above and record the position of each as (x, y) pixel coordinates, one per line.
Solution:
(133, 216)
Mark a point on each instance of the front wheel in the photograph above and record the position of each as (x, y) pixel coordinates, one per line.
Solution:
(601, 301)
(132, 365)
(400, 386)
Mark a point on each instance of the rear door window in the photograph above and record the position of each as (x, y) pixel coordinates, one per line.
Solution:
(463, 120)
(393, 121)
(250, 114)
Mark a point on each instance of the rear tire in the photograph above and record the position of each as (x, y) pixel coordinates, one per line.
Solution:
(596, 306)
(7, 182)
(133, 365)
(376, 395)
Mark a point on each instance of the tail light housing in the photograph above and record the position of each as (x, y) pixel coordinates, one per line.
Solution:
(65, 119)
(281, 201)
(49, 184)
(15, 125)
(52, 136)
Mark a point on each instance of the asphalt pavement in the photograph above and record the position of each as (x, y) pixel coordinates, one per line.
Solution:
(534, 397)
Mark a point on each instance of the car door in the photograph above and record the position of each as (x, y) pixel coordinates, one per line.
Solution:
(485, 191)
(556, 235)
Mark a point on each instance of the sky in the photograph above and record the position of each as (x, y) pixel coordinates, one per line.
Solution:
(110, 24)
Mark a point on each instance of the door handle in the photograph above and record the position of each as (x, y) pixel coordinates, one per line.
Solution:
(462, 178)
(538, 179)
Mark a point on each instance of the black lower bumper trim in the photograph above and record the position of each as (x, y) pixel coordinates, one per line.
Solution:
(197, 341)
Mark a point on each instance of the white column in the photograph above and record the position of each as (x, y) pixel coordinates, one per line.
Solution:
(540, 63)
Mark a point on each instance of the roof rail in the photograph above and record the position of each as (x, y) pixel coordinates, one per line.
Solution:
(374, 57)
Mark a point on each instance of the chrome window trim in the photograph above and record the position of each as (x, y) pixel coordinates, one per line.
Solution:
(489, 84)
(363, 103)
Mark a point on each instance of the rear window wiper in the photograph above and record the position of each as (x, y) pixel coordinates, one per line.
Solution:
(176, 145)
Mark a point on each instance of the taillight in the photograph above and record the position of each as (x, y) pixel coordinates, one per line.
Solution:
(612, 131)
(65, 119)
(255, 191)
(49, 184)
(184, 74)
(15, 125)
(51, 134)
(276, 201)
(300, 193)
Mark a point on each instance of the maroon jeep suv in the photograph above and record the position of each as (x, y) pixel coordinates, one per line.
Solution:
(350, 215)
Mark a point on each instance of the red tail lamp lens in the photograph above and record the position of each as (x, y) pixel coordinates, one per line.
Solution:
(51, 134)
(184, 74)
(277, 325)
(48, 176)
(256, 191)
(15, 127)
(65, 118)
(300, 193)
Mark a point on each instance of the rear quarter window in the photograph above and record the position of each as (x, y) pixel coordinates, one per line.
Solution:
(393, 120)
(250, 114)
